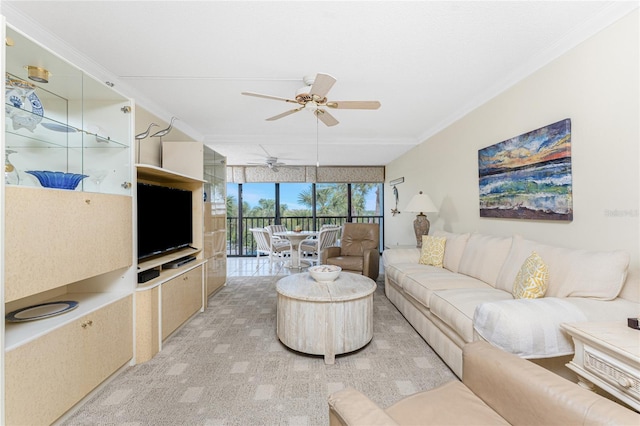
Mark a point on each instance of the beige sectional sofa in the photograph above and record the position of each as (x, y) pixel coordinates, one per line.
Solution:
(470, 297)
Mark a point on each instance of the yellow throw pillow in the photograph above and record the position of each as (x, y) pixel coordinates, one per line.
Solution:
(432, 250)
(532, 279)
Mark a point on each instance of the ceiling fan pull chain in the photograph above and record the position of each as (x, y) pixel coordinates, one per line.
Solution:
(317, 144)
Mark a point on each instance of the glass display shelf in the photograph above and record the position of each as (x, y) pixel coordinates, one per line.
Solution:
(50, 133)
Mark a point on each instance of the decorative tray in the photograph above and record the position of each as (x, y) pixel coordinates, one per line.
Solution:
(43, 310)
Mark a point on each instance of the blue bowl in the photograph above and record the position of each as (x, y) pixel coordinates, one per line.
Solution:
(58, 180)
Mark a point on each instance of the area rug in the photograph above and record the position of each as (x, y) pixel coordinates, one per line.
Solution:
(227, 367)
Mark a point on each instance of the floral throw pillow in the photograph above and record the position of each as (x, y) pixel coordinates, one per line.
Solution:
(532, 279)
(432, 250)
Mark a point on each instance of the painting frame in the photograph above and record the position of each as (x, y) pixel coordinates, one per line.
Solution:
(528, 176)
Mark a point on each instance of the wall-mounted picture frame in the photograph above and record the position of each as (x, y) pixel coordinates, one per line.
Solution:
(528, 176)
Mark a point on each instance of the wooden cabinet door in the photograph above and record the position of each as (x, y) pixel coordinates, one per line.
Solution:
(57, 237)
(47, 376)
(43, 378)
(108, 343)
(181, 298)
(216, 273)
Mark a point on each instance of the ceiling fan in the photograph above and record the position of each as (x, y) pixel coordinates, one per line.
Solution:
(269, 161)
(313, 96)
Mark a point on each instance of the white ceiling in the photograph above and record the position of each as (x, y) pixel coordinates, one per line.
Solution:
(427, 62)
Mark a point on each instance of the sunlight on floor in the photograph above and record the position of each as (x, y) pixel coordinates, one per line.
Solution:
(250, 266)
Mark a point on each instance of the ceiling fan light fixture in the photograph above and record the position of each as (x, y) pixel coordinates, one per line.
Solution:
(38, 74)
(311, 106)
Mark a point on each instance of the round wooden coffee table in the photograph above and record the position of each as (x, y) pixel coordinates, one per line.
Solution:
(325, 318)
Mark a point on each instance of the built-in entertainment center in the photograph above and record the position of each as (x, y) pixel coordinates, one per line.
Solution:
(80, 221)
(171, 263)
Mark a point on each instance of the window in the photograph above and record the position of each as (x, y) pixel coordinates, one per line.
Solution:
(299, 204)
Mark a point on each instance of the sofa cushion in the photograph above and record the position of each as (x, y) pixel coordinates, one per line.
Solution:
(531, 281)
(432, 252)
(484, 256)
(529, 328)
(456, 307)
(572, 272)
(421, 284)
(398, 271)
(454, 247)
(391, 256)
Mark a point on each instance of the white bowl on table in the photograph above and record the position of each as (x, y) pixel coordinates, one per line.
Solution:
(324, 273)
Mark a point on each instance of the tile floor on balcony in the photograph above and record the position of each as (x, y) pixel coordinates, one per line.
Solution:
(250, 266)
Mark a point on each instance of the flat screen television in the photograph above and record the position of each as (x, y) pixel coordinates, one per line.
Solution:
(165, 219)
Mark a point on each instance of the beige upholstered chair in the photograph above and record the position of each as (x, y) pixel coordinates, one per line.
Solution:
(358, 251)
(497, 388)
(277, 250)
(327, 237)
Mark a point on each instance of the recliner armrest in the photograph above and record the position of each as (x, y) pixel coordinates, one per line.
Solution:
(351, 407)
(371, 263)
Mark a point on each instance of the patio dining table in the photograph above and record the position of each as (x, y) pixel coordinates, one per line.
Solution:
(295, 238)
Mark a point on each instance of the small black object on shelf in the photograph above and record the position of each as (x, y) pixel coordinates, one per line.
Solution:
(148, 275)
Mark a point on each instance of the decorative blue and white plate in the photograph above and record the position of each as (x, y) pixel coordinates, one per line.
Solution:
(23, 105)
(43, 310)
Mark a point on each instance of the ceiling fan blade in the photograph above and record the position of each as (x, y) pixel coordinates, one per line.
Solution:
(284, 114)
(276, 98)
(353, 104)
(328, 119)
(322, 84)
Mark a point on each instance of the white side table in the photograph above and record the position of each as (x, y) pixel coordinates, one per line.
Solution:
(607, 355)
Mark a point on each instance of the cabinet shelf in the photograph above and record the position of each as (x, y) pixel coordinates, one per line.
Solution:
(17, 334)
(164, 176)
(155, 262)
(169, 274)
(44, 135)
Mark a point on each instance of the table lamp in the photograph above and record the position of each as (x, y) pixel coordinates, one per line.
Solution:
(421, 203)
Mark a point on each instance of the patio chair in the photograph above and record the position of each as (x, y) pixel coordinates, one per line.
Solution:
(277, 250)
(327, 237)
(276, 228)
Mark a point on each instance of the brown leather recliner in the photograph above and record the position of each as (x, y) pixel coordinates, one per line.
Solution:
(358, 251)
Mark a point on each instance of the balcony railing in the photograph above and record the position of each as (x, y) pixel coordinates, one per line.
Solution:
(240, 240)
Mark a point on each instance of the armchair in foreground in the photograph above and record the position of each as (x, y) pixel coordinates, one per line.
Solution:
(497, 388)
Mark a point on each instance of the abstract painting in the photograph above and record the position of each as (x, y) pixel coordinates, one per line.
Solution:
(528, 176)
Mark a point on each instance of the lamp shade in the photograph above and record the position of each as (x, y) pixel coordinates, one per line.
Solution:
(421, 203)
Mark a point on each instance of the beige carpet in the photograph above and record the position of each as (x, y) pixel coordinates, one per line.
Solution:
(227, 367)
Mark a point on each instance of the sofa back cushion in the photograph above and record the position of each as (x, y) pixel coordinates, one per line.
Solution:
(453, 249)
(572, 272)
(484, 256)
